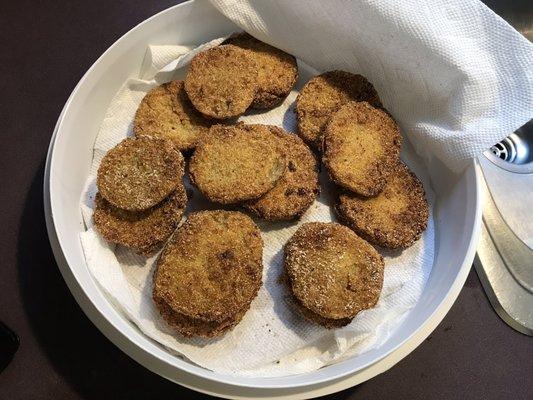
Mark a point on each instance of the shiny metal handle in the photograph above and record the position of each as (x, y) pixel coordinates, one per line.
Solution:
(517, 256)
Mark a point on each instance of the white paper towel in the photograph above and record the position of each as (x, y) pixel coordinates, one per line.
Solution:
(456, 76)
(272, 339)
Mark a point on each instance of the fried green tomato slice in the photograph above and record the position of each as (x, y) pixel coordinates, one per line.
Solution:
(332, 271)
(237, 163)
(278, 71)
(166, 112)
(210, 270)
(329, 323)
(297, 189)
(325, 94)
(140, 172)
(221, 82)
(361, 148)
(188, 326)
(143, 231)
(393, 219)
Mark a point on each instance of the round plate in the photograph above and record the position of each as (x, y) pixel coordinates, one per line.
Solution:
(457, 220)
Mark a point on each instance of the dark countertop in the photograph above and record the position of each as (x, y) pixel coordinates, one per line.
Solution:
(46, 48)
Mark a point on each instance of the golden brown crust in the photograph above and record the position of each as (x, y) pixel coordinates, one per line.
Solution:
(237, 163)
(167, 112)
(325, 94)
(211, 268)
(361, 147)
(297, 189)
(221, 82)
(328, 323)
(140, 172)
(188, 326)
(395, 218)
(143, 231)
(333, 272)
(278, 70)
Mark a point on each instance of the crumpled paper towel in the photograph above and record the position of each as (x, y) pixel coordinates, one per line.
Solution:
(272, 339)
(456, 76)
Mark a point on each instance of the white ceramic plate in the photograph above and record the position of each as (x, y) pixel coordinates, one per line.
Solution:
(457, 219)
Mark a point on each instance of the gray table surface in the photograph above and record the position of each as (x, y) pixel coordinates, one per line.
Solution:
(46, 48)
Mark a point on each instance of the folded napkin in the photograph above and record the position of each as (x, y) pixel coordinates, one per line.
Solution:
(456, 76)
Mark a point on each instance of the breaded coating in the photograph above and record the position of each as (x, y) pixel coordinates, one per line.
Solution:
(328, 323)
(332, 271)
(237, 163)
(361, 147)
(188, 326)
(143, 231)
(166, 112)
(211, 268)
(221, 82)
(298, 187)
(325, 94)
(393, 219)
(140, 172)
(278, 70)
